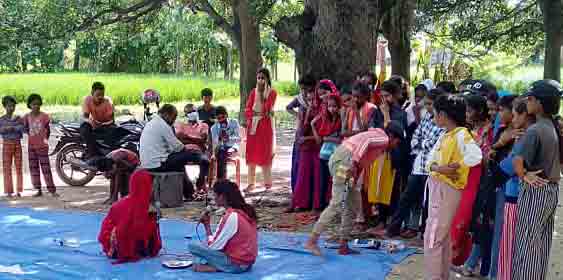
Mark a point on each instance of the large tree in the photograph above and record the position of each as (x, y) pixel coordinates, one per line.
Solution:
(336, 39)
(508, 25)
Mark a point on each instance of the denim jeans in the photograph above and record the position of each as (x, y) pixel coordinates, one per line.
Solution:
(474, 257)
(499, 222)
(411, 199)
(217, 259)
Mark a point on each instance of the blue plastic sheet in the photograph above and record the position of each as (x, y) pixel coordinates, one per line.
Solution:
(28, 251)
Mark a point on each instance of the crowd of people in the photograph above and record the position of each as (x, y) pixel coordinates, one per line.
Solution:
(468, 168)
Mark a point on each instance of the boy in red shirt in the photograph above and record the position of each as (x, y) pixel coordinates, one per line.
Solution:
(355, 154)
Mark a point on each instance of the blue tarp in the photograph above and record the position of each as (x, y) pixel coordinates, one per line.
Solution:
(28, 251)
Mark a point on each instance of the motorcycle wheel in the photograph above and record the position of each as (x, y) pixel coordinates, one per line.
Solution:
(67, 172)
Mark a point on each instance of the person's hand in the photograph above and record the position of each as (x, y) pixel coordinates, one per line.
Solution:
(300, 140)
(533, 179)
(506, 138)
(492, 153)
(449, 170)
(318, 139)
(384, 107)
(205, 219)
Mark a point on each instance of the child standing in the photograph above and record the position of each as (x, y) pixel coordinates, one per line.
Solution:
(37, 126)
(11, 129)
(451, 158)
(326, 129)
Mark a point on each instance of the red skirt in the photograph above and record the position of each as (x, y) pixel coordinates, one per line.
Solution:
(259, 147)
(461, 239)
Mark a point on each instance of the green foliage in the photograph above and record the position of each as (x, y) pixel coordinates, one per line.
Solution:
(124, 89)
(476, 26)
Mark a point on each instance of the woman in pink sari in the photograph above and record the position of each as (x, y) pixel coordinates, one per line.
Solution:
(260, 130)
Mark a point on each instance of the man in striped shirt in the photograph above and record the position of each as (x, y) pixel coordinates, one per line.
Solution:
(345, 165)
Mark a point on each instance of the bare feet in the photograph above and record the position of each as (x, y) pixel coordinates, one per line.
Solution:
(250, 188)
(203, 268)
(313, 248)
(345, 250)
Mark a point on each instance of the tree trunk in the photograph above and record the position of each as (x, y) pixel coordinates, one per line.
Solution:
(333, 39)
(397, 28)
(76, 63)
(250, 56)
(552, 22)
(400, 57)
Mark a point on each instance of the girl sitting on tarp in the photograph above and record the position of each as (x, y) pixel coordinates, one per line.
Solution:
(130, 232)
(233, 247)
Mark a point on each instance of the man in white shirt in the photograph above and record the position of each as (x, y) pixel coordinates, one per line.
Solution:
(160, 149)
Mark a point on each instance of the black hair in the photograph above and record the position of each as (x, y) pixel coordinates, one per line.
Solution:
(8, 99)
(421, 87)
(520, 106)
(506, 101)
(266, 73)
(308, 81)
(346, 90)
(32, 97)
(453, 106)
(325, 86)
(434, 93)
(233, 197)
(221, 110)
(492, 96)
(391, 87)
(206, 92)
(447, 86)
(399, 80)
(395, 129)
(479, 104)
(363, 89)
(167, 109)
(98, 86)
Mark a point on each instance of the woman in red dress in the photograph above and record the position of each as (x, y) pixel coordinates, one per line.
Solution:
(129, 232)
(260, 130)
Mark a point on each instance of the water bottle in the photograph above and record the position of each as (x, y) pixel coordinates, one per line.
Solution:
(67, 242)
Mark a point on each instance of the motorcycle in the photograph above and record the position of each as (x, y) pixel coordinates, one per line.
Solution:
(70, 148)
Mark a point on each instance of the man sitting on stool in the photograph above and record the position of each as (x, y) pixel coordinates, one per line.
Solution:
(194, 135)
(225, 138)
(160, 149)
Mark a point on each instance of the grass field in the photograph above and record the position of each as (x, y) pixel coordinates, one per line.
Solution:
(125, 89)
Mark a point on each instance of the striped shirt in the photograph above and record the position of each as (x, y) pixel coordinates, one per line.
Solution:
(367, 146)
(15, 128)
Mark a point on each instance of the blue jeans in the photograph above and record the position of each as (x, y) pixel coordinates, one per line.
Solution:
(474, 257)
(499, 222)
(217, 259)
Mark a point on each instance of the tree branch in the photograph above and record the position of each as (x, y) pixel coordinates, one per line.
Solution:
(288, 31)
(206, 7)
(117, 14)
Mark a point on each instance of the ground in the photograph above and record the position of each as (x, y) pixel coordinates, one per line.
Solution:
(270, 206)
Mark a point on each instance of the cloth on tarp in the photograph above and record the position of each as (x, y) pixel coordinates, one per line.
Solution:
(28, 251)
